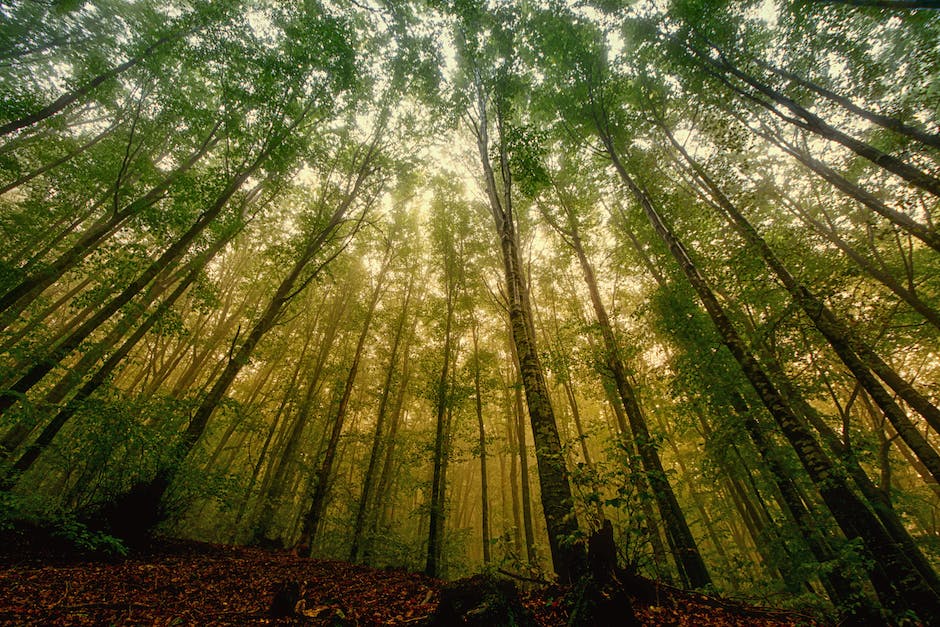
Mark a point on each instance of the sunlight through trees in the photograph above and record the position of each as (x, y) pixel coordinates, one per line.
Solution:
(446, 285)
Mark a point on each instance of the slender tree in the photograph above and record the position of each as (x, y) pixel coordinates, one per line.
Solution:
(567, 554)
(688, 559)
(313, 517)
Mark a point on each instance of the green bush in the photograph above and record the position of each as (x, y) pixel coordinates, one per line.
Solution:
(31, 515)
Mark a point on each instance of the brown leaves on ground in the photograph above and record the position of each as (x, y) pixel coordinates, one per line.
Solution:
(656, 604)
(198, 584)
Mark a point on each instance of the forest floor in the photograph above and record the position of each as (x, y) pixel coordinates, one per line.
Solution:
(188, 583)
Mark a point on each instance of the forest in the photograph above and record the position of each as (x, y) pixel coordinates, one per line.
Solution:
(460, 286)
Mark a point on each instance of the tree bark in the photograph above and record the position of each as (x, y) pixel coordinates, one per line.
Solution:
(26, 178)
(280, 474)
(925, 234)
(314, 515)
(271, 442)
(568, 555)
(65, 414)
(525, 490)
(385, 483)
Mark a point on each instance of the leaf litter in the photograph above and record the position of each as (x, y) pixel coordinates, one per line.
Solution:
(177, 582)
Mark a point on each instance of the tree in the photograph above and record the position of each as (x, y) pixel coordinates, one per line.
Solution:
(324, 476)
(496, 90)
(449, 246)
(688, 559)
(370, 478)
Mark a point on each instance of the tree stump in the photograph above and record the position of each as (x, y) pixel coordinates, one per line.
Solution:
(288, 596)
(600, 597)
(133, 515)
(481, 601)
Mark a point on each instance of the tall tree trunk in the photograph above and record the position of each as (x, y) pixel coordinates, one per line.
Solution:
(513, 450)
(845, 593)
(269, 440)
(275, 308)
(688, 558)
(314, 514)
(369, 479)
(385, 482)
(280, 473)
(525, 497)
(568, 557)
(478, 398)
(445, 466)
(26, 178)
(638, 479)
(442, 402)
(924, 233)
(880, 274)
(877, 500)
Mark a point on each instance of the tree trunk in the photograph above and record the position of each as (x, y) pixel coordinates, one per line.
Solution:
(269, 439)
(876, 499)
(568, 556)
(280, 474)
(314, 515)
(101, 375)
(513, 450)
(385, 482)
(685, 551)
(442, 402)
(922, 232)
(478, 398)
(845, 593)
(525, 497)
(369, 479)
(26, 178)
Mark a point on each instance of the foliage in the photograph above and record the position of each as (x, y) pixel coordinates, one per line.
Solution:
(199, 199)
(36, 516)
